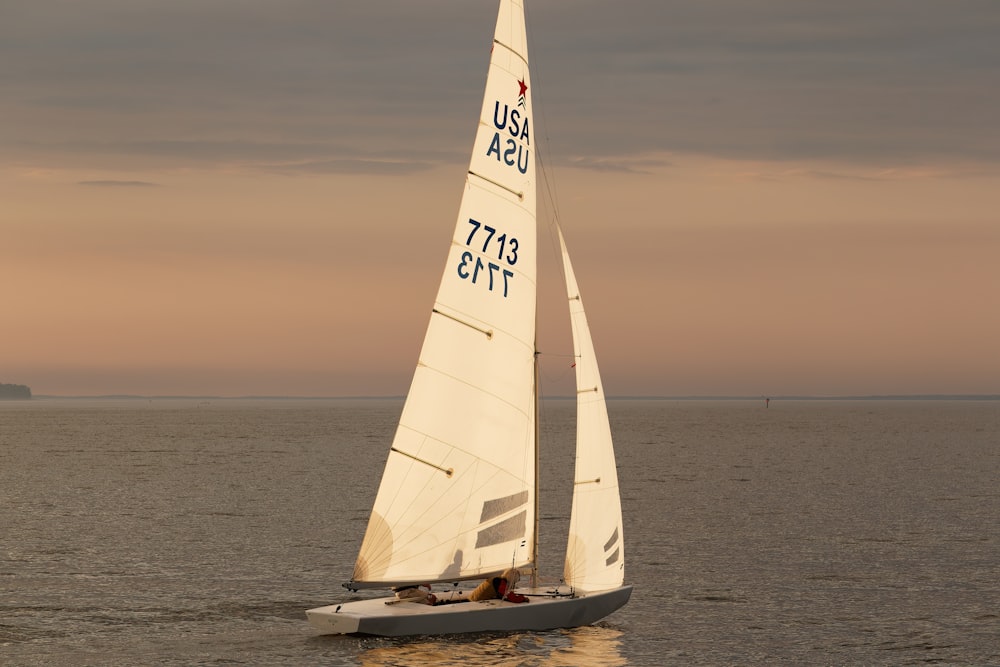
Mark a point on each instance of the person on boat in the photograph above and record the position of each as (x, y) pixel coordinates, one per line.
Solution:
(501, 588)
(415, 594)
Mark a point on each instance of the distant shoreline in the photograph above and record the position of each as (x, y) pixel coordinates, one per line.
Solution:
(14, 392)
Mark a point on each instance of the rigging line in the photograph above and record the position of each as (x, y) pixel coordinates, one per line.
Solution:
(546, 174)
(548, 178)
(549, 204)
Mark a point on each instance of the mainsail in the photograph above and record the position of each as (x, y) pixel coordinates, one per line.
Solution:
(457, 497)
(595, 553)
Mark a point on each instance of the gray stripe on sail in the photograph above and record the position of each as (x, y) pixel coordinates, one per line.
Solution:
(613, 558)
(614, 538)
(505, 531)
(494, 508)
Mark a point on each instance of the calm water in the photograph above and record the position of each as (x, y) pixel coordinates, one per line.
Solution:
(182, 532)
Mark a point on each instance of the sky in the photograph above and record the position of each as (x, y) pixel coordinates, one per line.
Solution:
(249, 197)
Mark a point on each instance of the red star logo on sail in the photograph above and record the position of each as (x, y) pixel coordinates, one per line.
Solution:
(520, 95)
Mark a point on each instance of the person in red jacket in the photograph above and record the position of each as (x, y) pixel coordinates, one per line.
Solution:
(499, 588)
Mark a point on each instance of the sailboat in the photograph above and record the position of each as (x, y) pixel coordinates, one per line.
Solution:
(458, 500)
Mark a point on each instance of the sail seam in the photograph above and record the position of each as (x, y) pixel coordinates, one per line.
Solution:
(519, 409)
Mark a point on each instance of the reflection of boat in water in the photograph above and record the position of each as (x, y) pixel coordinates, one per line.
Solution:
(458, 499)
(589, 646)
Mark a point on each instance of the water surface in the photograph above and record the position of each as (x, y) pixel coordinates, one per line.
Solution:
(196, 532)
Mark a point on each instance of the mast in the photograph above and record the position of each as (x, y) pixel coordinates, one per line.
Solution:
(534, 540)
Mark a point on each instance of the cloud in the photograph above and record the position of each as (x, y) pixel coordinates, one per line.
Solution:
(319, 83)
(119, 184)
(886, 82)
(353, 166)
(625, 165)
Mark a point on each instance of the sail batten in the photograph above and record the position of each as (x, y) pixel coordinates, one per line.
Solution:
(513, 51)
(517, 193)
(487, 332)
(447, 471)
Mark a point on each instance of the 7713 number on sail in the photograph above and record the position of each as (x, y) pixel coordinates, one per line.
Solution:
(475, 269)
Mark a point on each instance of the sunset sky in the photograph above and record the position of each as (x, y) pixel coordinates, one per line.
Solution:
(248, 197)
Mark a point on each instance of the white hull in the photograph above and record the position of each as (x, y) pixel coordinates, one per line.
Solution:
(544, 612)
